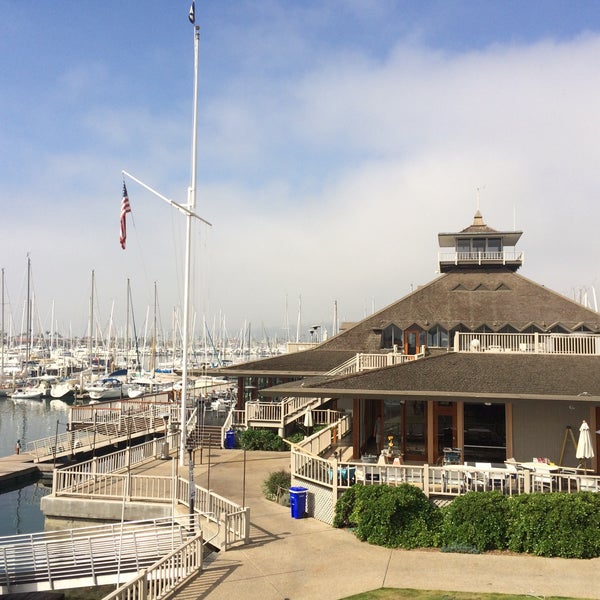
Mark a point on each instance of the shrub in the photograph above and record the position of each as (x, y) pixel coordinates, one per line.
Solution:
(296, 437)
(277, 485)
(261, 439)
(478, 520)
(565, 525)
(395, 517)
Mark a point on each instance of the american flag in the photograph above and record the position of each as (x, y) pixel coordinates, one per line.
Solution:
(125, 208)
(192, 13)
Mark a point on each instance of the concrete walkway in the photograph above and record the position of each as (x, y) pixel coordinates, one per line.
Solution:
(302, 559)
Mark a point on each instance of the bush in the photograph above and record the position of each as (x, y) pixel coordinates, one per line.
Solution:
(478, 520)
(261, 439)
(565, 525)
(277, 485)
(296, 437)
(395, 517)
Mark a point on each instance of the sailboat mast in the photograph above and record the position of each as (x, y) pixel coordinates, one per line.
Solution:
(2, 332)
(28, 318)
(192, 207)
(91, 324)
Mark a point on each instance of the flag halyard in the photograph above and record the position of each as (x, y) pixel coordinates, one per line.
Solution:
(125, 208)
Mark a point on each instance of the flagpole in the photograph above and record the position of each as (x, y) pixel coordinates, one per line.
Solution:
(188, 253)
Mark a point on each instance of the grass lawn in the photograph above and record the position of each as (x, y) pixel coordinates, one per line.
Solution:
(405, 594)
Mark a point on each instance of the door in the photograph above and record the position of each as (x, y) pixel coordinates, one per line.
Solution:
(444, 428)
(412, 341)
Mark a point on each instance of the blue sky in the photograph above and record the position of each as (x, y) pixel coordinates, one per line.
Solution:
(336, 140)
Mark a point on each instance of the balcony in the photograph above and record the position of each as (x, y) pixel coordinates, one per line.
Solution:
(449, 261)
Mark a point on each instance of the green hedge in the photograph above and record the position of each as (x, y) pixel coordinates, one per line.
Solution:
(477, 519)
(557, 524)
(261, 439)
(395, 517)
(566, 525)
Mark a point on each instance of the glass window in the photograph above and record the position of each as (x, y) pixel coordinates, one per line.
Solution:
(494, 245)
(416, 426)
(437, 337)
(391, 336)
(463, 245)
(485, 433)
(479, 245)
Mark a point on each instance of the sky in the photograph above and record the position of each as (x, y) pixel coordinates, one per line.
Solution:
(335, 140)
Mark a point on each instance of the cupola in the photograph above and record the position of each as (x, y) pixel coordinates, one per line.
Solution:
(479, 247)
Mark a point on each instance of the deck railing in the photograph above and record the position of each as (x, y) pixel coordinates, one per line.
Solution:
(447, 480)
(537, 343)
(481, 258)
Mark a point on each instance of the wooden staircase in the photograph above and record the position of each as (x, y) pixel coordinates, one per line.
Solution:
(205, 436)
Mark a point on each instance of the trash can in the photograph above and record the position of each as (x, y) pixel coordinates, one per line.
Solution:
(298, 501)
(164, 451)
(230, 439)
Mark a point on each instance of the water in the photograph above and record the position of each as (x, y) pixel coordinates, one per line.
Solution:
(26, 420)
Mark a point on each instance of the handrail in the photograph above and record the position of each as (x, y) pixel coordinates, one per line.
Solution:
(120, 426)
(164, 575)
(90, 555)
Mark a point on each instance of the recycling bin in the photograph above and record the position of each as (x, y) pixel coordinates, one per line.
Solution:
(230, 439)
(298, 501)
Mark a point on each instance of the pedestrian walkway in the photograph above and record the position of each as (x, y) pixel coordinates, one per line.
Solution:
(304, 559)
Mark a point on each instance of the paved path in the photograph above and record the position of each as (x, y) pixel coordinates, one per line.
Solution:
(304, 559)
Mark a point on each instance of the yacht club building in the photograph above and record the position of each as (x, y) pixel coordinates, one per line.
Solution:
(481, 359)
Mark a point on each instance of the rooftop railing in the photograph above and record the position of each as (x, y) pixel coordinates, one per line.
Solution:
(532, 343)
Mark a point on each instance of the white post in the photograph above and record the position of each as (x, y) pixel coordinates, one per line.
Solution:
(191, 207)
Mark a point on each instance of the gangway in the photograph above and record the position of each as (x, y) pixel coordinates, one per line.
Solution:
(87, 556)
(116, 426)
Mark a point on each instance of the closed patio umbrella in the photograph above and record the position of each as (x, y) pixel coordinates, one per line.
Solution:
(308, 419)
(584, 444)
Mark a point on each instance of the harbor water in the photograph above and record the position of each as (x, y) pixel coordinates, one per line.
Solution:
(26, 420)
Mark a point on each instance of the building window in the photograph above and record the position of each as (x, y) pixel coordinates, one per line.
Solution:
(485, 433)
(437, 337)
(392, 336)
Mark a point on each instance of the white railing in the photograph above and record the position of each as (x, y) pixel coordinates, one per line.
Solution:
(362, 362)
(447, 480)
(96, 480)
(85, 556)
(323, 440)
(121, 426)
(479, 258)
(164, 576)
(537, 343)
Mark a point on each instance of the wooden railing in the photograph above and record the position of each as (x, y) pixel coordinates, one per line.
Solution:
(538, 343)
(363, 362)
(499, 257)
(448, 480)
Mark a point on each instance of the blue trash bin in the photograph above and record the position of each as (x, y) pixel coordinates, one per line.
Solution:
(230, 439)
(298, 501)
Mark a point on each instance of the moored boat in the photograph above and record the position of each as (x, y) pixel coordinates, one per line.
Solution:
(27, 393)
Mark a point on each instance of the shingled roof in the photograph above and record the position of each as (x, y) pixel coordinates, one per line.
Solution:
(462, 375)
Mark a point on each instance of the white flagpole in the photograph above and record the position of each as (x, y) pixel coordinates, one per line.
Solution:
(188, 267)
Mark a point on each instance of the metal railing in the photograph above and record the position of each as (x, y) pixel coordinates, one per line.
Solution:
(121, 426)
(537, 343)
(111, 477)
(164, 576)
(85, 556)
